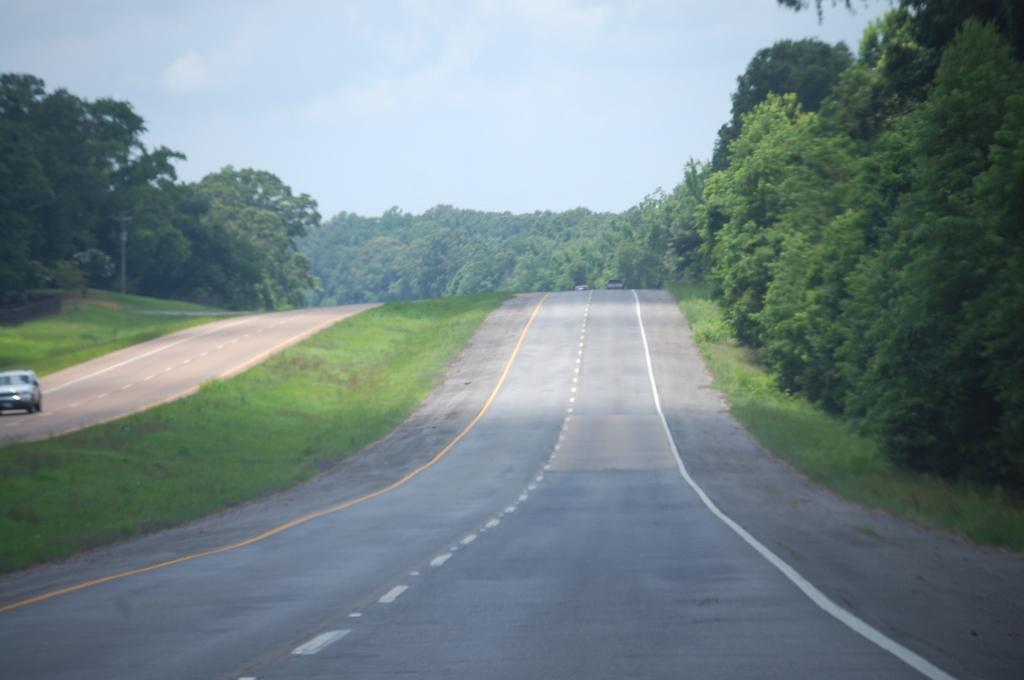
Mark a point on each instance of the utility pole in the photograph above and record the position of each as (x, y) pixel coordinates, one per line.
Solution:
(123, 220)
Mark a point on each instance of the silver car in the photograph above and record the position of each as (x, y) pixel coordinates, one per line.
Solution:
(615, 284)
(20, 389)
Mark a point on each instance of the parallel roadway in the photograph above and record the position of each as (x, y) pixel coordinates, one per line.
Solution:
(161, 370)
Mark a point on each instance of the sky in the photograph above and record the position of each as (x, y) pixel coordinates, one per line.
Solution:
(499, 105)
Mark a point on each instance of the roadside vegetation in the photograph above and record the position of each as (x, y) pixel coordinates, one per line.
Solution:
(860, 221)
(90, 327)
(73, 172)
(831, 452)
(299, 413)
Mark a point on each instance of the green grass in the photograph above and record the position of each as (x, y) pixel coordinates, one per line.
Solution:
(88, 328)
(276, 425)
(830, 452)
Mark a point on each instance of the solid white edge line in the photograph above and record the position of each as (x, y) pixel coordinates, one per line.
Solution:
(320, 641)
(913, 660)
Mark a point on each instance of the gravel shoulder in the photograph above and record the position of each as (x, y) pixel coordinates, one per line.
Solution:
(958, 605)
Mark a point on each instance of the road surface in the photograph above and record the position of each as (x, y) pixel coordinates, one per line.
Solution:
(161, 370)
(557, 538)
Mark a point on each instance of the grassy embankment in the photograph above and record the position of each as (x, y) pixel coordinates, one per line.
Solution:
(828, 450)
(265, 430)
(90, 327)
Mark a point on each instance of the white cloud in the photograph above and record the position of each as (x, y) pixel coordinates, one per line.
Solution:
(228, 59)
(188, 73)
(529, 104)
(564, 16)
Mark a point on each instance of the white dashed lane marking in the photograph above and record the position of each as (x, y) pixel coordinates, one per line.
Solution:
(320, 641)
(468, 539)
(392, 594)
(493, 523)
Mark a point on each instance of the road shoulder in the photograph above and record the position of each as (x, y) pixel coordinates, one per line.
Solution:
(959, 606)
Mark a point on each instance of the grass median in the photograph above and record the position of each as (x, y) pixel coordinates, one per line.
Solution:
(830, 452)
(90, 327)
(274, 426)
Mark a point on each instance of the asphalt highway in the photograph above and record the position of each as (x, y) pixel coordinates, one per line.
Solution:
(161, 370)
(559, 537)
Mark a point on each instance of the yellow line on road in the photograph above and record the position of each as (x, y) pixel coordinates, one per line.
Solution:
(289, 525)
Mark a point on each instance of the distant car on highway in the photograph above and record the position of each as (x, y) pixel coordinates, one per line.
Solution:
(582, 287)
(20, 390)
(615, 284)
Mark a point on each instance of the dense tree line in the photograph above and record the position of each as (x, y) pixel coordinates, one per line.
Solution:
(870, 243)
(861, 220)
(448, 251)
(69, 166)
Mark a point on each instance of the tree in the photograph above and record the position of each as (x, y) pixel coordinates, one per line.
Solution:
(937, 21)
(68, 165)
(255, 221)
(807, 68)
(940, 362)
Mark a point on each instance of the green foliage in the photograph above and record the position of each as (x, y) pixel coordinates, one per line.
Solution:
(830, 452)
(299, 413)
(446, 251)
(68, 167)
(101, 323)
(784, 195)
(257, 220)
(68, 276)
(931, 389)
(871, 252)
(808, 69)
